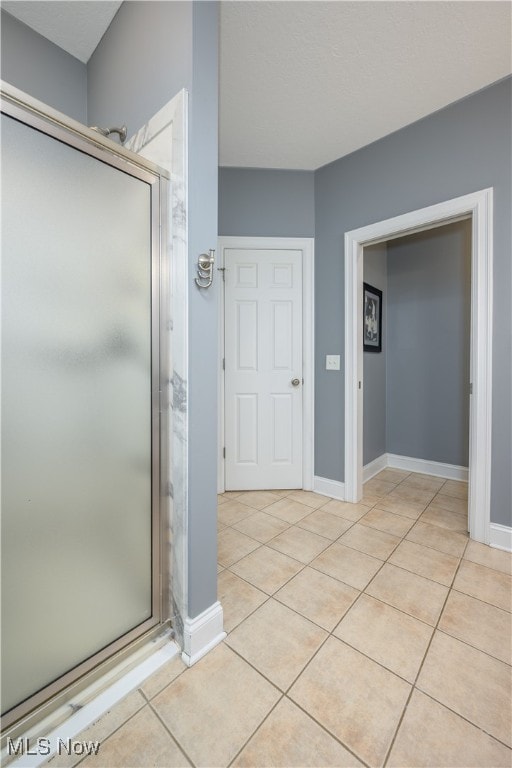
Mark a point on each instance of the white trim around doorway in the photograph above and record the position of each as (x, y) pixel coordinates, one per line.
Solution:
(306, 245)
(478, 206)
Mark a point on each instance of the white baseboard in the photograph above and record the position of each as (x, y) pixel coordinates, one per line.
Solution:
(409, 464)
(332, 488)
(202, 634)
(424, 467)
(374, 467)
(501, 537)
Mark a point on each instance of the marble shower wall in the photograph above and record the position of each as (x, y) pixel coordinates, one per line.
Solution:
(163, 140)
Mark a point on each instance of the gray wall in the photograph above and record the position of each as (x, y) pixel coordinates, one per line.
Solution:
(203, 311)
(374, 363)
(142, 61)
(151, 51)
(460, 149)
(428, 332)
(33, 64)
(257, 202)
(409, 408)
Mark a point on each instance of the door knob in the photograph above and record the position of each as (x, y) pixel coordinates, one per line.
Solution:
(295, 382)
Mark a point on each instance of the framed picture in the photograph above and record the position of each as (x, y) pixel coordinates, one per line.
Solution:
(372, 319)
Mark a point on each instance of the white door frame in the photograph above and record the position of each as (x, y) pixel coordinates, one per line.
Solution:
(479, 207)
(307, 246)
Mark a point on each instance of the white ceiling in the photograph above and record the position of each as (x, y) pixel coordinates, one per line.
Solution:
(75, 25)
(303, 83)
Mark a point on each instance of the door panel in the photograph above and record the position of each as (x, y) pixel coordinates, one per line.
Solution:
(282, 428)
(77, 440)
(282, 335)
(247, 429)
(247, 335)
(263, 343)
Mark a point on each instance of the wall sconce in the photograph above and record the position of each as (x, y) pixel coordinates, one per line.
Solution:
(205, 269)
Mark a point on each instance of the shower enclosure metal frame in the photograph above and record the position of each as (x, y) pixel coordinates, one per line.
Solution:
(39, 116)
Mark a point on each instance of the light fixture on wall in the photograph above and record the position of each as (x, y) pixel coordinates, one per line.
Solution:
(205, 269)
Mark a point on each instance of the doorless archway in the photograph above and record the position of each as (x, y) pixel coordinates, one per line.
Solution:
(478, 207)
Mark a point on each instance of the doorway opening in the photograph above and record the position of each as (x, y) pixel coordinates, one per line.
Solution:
(416, 331)
(478, 208)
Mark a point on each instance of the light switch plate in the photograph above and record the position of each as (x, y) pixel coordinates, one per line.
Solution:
(332, 362)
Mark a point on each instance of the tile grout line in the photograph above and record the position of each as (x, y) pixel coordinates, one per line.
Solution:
(284, 695)
(370, 658)
(309, 564)
(263, 544)
(435, 628)
(252, 666)
(400, 610)
(260, 589)
(330, 634)
(488, 567)
(340, 581)
(327, 731)
(121, 725)
(421, 576)
(361, 592)
(462, 717)
(460, 558)
(374, 527)
(305, 565)
(413, 687)
(269, 597)
(429, 546)
(364, 592)
(479, 599)
(474, 647)
(273, 594)
(257, 727)
(173, 737)
(287, 691)
(398, 514)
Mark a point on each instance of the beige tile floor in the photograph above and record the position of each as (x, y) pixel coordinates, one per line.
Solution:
(358, 634)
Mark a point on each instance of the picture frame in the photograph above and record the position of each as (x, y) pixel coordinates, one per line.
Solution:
(372, 318)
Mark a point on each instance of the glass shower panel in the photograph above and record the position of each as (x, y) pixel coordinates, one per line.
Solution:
(76, 407)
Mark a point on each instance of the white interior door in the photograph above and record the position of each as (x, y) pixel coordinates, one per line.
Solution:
(263, 368)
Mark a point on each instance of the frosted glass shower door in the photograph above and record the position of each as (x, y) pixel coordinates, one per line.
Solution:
(78, 404)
